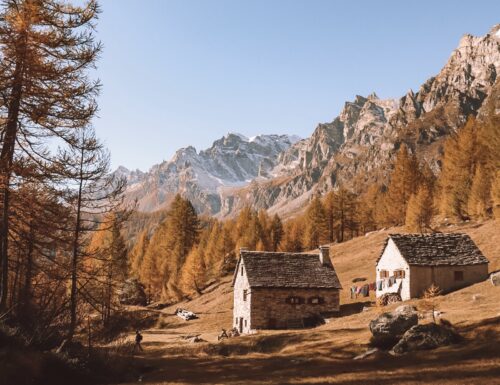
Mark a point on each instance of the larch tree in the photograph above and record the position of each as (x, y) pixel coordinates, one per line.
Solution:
(92, 192)
(479, 200)
(293, 235)
(455, 181)
(47, 49)
(495, 195)
(420, 210)
(276, 232)
(316, 225)
(403, 183)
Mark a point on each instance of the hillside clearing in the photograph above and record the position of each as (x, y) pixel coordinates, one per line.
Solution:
(325, 354)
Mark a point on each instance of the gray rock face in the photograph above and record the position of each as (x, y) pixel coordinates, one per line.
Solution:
(232, 161)
(424, 337)
(388, 328)
(281, 174)
(368, 131)
(495, 278)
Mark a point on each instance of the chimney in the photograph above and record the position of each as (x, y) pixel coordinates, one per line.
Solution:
(324, 255)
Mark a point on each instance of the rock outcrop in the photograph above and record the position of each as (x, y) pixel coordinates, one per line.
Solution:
(389, 327)
(425, 337)
(232, 161)
(495, 278)
(280, 174)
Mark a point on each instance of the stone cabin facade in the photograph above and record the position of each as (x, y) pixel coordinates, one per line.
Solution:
(283, 290)
(410, 263)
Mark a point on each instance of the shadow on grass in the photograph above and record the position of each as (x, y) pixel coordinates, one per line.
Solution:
(260, 360)
(353, 308)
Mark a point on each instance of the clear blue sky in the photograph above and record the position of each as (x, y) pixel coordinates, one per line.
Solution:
(185, 72)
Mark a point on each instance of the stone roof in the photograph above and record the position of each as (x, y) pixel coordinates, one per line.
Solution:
(439, 249)
(291, 270)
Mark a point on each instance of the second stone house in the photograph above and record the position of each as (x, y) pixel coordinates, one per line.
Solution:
(283, 290)
(410, 263)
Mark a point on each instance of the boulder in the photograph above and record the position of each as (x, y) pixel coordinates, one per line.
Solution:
(406, 309)
(424, 337)
(132, 293)
(495, 278)
(389, 327)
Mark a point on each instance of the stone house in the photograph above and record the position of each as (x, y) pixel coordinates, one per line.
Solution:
(410, 263)
(283, 290)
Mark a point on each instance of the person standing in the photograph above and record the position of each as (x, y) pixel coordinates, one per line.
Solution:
(138, 339)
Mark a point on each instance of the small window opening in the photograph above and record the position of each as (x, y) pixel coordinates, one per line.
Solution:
(400, 274)
(384, 274)
(245, 292)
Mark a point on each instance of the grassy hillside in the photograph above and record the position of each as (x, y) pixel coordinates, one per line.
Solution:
(325, 354)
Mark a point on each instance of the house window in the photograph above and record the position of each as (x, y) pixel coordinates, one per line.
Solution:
(384, 274)
(459, 275)
(400, 274)
(242, 270)
(245, 292)
(245, 323)
(295, 300)
(316, 300)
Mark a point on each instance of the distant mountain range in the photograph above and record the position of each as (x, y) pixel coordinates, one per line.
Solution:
(280, 172)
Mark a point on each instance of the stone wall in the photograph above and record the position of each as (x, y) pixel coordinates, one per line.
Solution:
(241, 307)
(269, 307)
(444, 277)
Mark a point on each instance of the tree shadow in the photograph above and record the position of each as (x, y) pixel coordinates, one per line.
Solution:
(353, 308)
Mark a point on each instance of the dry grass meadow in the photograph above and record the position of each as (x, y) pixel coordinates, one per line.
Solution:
(325, 355)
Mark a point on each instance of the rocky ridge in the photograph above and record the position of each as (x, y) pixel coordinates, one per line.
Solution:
(281, 174)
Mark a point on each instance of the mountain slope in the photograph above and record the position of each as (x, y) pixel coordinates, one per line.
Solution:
(280, 173)
(231, 161)
(354, 149)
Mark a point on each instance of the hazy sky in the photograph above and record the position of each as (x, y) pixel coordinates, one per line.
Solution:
(185, 72)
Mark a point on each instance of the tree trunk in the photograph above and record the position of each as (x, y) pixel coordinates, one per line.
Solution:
(6, 158)
(74, 259)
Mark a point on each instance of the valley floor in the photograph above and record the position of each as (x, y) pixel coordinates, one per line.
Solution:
(326, 354)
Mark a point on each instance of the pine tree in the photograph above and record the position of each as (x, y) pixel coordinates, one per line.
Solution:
(316, 225)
